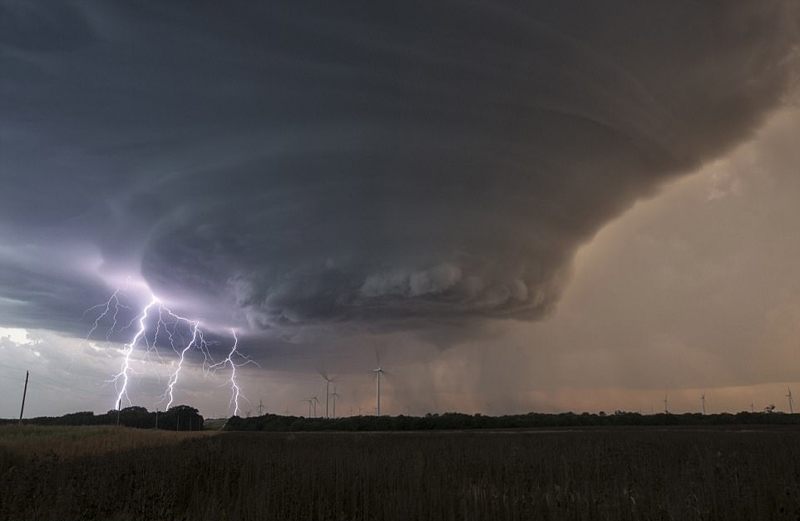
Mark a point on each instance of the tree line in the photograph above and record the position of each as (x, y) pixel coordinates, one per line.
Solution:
(186, 418)
(180, 417)
(458, 421)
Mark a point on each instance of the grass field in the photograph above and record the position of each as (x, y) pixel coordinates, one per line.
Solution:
(18, 444)
(654, 474)
(215, 424)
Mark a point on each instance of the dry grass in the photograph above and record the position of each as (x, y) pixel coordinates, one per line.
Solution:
(610, 474)
(69, 442)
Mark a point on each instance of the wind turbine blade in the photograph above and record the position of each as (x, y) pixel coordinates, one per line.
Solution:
(377, 357)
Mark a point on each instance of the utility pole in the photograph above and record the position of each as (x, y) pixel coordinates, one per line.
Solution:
(24, 393)
(261, 407)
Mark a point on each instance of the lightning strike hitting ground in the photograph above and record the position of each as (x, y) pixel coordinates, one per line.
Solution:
(173, 378)
(164, 321)
(236, 392)
(123, 374)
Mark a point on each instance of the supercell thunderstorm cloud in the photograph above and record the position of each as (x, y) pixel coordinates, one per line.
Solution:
(282, 168)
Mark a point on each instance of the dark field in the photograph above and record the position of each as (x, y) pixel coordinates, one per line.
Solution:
(577, 474)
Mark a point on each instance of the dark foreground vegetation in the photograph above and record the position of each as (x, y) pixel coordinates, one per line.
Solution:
(185, 418)
(457, 421)
(599, 473)
(178, 418)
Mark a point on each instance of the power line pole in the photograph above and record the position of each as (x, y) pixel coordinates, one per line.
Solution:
(24, 393)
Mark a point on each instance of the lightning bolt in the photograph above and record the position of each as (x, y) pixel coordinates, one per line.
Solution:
(126, 364)
(236, 391)
(197, 341)
(173, 378)
(113, 300)
(172, 326)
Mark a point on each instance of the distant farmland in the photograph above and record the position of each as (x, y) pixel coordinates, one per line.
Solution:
(607, 473)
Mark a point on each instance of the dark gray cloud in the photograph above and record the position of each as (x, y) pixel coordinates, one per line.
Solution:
(272, 165)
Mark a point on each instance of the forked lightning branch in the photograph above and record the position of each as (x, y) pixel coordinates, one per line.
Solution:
(157, 327)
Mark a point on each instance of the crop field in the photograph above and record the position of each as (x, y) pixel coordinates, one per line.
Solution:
(614, 473)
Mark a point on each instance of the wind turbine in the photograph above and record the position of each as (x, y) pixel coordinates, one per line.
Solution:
(334, 394)
(378, 371)
(791, 400)
(703, 400)
(666, 404)
(310, 401)
(328, 381)
(315, 401)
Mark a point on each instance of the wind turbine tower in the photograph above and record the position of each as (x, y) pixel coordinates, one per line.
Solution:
(666, 404)
(378, 371)
(328, 381)
(703, 401)
(791, 400)
(334, 394)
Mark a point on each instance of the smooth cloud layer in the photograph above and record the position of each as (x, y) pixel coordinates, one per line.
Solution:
(281, 167)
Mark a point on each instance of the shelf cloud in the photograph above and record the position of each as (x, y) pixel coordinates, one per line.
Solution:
(272, 166)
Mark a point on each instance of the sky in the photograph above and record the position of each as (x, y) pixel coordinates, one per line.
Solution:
(511, 206)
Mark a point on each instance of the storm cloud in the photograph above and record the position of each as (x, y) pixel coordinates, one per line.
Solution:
(279, 166)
